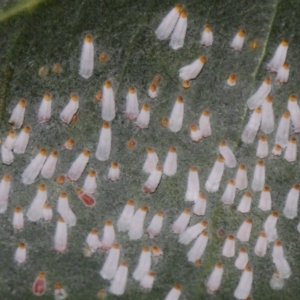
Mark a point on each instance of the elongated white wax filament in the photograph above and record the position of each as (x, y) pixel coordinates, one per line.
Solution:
(17, 116)
(70, 109)
(192, 70)
(260, 95)
(251, 128)
(176, 117)
(178, 35)
(207, 37)
(108, 102)
(87, 57)
(168, 23)
(214, 179)
(279, 56)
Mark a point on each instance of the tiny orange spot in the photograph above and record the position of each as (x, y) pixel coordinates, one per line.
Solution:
(131, 144)
(165, 122)
(61, 179)
(254, 45)
(103, 57)
(99, 96)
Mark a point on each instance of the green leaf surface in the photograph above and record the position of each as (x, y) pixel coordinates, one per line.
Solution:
(53, 33)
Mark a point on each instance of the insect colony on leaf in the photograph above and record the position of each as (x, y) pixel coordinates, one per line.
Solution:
(173, 25)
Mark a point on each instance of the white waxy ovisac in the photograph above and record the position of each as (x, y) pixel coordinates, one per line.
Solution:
(279, 56)
(70, 109)
(291, 150)
(143, 118)
(214, 281)
(126, 216)
(35, 211)
(280, 261)
(283, 73)
(204, 124)
(265, 200)
(7, 155)
(214, 179)
(259, 176)
(22, 140)
(178, 35)
(155, 226)
(197, 250)
(109, 235)
(229, 247)
(151, 161)
(291, 204)
(242, 259)
(153, 180)
(176, 117)
(243, 289)
(17, 116)
(10, 140)
(59, 292)
(64, 209)
(104, 143)
(90, 182)
(261, 245)
(111, 263)
(192, 232)
(147, 281)
(182, 221)
(241, 178)
(108, 112)
(226, 152)
(170, 164)
(276, 282)
(270, 227)
(260, 95)
(114, 172)
(21, 253)
(4, 192)
(87, 57)
(277, 150)
(33, 169)
(229, 193)
(192, 70)
(61, 236)
(294, 111)
(47, 213)
(168, 23)
(195, 133)
(244, 231)
(79, 165)
(207, 37)
(200, 205)
(267, 115)
(132, 104)
(251, 128)
(49, 167)
(245, 203)
(18, 218)
(262, 149)
(282, 133)
(152, 91)
(93, 241)
(118, 284)
(238, 41)
(144, 264)
(45, 110)
(174, 293)
(193, 185)
(136, 226)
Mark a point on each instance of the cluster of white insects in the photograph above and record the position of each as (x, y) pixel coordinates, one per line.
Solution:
(174, 25)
